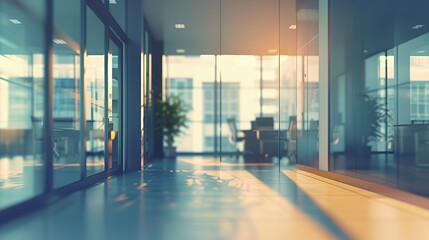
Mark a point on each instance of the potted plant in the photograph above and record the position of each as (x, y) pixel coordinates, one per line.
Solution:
(371, 117)
(170, 120)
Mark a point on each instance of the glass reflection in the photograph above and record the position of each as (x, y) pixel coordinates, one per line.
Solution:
(379, 119)
(114, 104)
(192, 79)
(247, 100)
(95, 94)
(22, 92)
(308, 83)
(67, 97)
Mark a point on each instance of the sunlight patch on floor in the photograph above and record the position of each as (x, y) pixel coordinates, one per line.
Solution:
(364, 214)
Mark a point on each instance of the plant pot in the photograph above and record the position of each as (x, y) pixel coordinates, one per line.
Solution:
(170, 152)
(363, 160)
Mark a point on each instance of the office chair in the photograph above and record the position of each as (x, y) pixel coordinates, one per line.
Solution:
(291, 148)
(234, 137)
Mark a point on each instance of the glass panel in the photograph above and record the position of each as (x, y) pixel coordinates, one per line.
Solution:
(308, 82)
(378, 84)
(312, 98)
(288, 93)
(22, 153)
(67, 96)
(288, 80)
(94, 95)
(413, 118)
(241, 101)
(191, 79)
(114, 104)
(249, 88)
(148, 127)
(342, 88)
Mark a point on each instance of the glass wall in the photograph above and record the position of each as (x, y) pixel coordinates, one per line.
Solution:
(240, 97)
(148, 124)
(114, 93)
(239, 89)
(249, 90)
(67, 98)
(85, 100)
(308, 82)
(378, 88)
(95, 94)
(192, 79)
(22, 91)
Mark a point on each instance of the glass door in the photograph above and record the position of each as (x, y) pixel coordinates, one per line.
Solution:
(114, 113)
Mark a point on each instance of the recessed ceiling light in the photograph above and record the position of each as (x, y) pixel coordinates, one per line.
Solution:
(417, 26)
(59, 41)
(112, 2)
(272, 50)
(180, 51)
(179, 26)
(421, 51)
(15, 21)
(293, 26)
(365, 51)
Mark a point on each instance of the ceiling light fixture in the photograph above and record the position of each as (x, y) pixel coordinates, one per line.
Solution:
(293, 26)
(180, 51)
(15, 21)
(272, 50)
(179, 26)
(421, 51)
(417, 26)
(112, 2)
(59, 41)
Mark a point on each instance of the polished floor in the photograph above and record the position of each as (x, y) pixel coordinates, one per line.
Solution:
(200, 198)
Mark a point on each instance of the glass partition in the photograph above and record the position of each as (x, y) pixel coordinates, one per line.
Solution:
(240, 98)
(378, 84)
(67, 97)
(192, 79)
(308, 82)
(22, 91)
(95, 94)
(114, 90)
(240, 103)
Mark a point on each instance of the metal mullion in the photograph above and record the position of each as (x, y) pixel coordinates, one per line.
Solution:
(48, 97)
(82, 90)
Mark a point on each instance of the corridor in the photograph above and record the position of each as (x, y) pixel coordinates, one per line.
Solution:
(199, 198)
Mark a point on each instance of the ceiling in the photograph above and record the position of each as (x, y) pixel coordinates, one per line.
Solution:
(239, 27)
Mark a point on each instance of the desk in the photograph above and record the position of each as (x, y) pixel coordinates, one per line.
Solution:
(412, 147)
(271, 142)
(251, 142)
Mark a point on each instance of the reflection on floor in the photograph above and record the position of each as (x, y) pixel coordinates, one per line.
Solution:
(22, 177)
(404, 171)
(188, 199)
